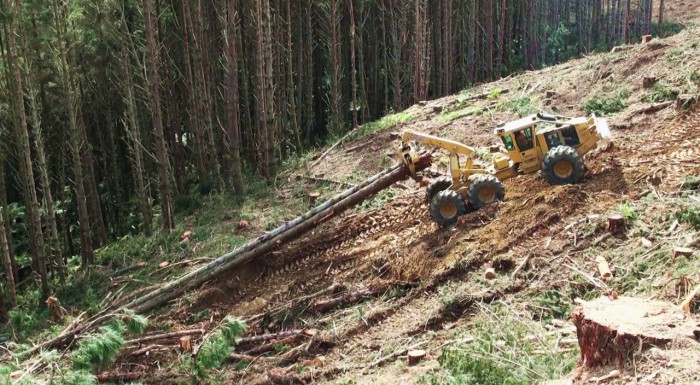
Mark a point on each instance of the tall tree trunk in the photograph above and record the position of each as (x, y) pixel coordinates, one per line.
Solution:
(334, 45)
(47, 197)
(24, 153)
(157, 116)
(195, 97)
(292, 95)
(133, 131)
(661, 15)
(271, 122)
(353, 64)
(232, 115)
(75, 136)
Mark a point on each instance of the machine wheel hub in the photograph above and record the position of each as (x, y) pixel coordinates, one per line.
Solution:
(563, 169)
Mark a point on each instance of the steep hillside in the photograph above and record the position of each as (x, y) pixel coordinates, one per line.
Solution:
(346, 303)
(359, 292)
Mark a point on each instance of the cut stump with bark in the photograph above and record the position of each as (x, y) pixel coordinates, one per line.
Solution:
(682, 252)
(416, 356)
(612, 331)
(616, 223)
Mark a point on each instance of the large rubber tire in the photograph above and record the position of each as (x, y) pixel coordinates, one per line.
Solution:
(563, 165)
(485, 189)
(446, 207)
(440, 184)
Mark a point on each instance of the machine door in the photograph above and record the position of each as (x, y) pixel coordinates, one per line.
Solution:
(524, 139)
(570, 136)
(553, 140)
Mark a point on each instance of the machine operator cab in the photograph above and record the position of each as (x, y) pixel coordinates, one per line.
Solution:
(544, 142)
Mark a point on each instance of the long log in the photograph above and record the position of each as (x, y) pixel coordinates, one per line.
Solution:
(283, 234)
(256, 248)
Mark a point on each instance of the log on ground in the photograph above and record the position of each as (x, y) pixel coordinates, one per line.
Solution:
(612, 331)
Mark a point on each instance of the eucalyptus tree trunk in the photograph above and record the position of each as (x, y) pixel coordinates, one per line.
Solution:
(24, 153)
(232, 115)
(75, 137)
(4, 209)
(162, 157)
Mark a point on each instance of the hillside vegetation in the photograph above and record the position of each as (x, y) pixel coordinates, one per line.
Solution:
(345, 303)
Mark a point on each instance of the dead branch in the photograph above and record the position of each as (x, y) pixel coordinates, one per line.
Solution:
(395, 354)
(654, 108)
(338, 143)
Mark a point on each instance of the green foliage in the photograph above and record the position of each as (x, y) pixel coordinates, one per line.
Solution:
(521, 106)
(607, 104)
(691, 183)
(186, 205)
(98, 349)
(385, 123)
(694, 77)
(690, 214)
(135, 323)
(660, 93)
(627, 211)
(217, 346)
(502, 353)
(454, 115)
(668, 28)
(380, 200)
(554, 304)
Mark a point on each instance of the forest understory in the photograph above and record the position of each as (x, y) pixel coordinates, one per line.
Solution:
(347, 302)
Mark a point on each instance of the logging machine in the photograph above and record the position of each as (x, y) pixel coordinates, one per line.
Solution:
(537, 142)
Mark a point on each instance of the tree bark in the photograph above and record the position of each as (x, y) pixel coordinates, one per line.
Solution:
(233, 131)
(75, 137)
(353, 64)
(24, 153)
(283, 234)
(157, 117)
(133, 130)
(7, 261)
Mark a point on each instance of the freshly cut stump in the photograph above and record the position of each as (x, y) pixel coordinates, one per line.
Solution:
(611, 331)
(416, 356)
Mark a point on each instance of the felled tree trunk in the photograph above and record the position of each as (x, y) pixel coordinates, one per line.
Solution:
(612, 331)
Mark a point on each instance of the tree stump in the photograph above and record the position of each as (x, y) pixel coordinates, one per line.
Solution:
(649, 81)
(682, 251)
(490, 273)
(616, 223)
(646, 39)
(416, 356)
(186, 344)
(313, 196)
(612, 331)
(685, 101)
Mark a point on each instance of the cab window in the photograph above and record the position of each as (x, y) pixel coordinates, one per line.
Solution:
(552, 139)
(508, 142)
(524, 139)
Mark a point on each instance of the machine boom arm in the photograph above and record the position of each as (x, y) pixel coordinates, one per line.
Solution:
(454, 148)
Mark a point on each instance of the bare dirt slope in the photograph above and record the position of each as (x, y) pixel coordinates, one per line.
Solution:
(420, 286)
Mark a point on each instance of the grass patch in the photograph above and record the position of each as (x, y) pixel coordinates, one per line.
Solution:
(522, 106)
(607, 104)
(385, 123)
(508, 348)
(627, 211)
(458, 114)
(660, 93)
